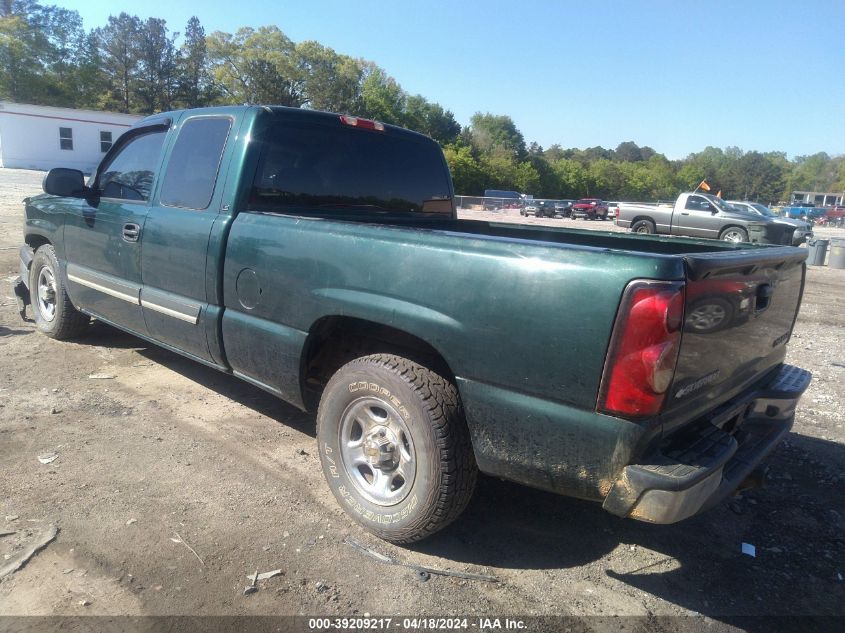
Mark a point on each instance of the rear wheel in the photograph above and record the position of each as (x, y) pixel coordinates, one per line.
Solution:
(643, 226)
(734, 234)
(394, 447)
(54, 314)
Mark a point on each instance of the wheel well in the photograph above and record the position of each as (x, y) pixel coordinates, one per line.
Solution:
(36, 241)
(335, 340)
(732, 226)
(643, 217)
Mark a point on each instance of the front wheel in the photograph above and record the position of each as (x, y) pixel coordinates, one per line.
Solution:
(734, 234)
(54, 314)
(394, 447)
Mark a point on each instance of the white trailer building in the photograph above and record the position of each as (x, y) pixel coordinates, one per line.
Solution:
(43, 137)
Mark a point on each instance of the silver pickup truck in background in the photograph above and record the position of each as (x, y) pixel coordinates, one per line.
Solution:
(702, 215)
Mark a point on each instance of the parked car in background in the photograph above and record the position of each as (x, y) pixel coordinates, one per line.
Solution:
(545, 209)
(563, 208)
(612, 210)
(835, 216)
(590, 209)
(803, 230)
(808, 214)
(529, 207)
(538, 208)
(702, 215)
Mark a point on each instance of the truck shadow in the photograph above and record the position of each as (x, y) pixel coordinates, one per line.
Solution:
(235, 389)
(795, 523)
(224, 384)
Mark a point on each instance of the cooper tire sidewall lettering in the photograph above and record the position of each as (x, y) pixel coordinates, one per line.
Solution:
(337, 396)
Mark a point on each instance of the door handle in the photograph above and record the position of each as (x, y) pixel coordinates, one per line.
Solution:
(684, 212)
(131, 232)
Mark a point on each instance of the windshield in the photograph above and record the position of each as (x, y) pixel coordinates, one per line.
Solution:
(763, 209)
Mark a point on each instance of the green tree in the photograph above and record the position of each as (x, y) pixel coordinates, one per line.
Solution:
(431, 119)
(628, 152)
(90, 82)
(332, 82)
(119, 50)
(496, 134)
(382, 98)
(606, 178)
(572, 178)
(157, 63)
(527, 179)
(194, 85)
(256, 66)
(468, 176)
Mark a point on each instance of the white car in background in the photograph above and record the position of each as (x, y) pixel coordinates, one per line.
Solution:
(803, 230)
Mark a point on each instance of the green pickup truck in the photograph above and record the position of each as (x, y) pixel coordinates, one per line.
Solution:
(320, 258)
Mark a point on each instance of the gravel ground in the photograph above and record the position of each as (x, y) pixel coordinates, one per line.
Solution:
(174, 482)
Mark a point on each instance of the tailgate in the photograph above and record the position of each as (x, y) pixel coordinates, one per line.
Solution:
(739, 313)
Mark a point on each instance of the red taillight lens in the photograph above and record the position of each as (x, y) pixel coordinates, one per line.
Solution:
(643, 349)
(364, 124)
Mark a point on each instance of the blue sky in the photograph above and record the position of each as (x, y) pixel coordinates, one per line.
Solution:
(676, 75)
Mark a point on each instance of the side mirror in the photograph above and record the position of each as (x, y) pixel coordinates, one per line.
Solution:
(68, 183)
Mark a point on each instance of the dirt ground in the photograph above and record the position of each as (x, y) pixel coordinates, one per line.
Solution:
(174, 482)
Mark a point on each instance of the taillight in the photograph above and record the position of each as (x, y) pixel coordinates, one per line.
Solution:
(364, 124)
(643, 349)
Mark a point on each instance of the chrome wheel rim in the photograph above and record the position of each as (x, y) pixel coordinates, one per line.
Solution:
(377, 451)
(46, 289)
(643, 229)
(707, 316)
(733, 236)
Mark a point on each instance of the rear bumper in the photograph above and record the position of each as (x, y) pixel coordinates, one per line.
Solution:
(698, 467)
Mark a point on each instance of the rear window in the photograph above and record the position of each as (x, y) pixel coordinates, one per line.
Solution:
(321, 168)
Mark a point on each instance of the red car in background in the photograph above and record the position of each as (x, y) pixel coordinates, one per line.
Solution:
(834, 216)
(589, 208)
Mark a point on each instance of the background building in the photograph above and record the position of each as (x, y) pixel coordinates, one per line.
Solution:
(43, 137)
(817, 198)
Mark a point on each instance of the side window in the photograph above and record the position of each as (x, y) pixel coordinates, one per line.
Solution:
(129, 174)
(194, 163)
(105, 141)
(697, 203)
(66, 138)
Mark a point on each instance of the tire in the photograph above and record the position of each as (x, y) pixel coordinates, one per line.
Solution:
(410, 418)
(734, 234)
(54, 313)
(644, 226)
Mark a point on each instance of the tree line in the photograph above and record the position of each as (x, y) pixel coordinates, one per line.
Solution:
(141, 66)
